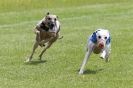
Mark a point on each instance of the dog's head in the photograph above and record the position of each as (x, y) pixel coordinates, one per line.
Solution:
(103, 37)
(50, 20)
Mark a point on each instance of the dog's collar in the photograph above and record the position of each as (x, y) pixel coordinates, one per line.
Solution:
(44, 27)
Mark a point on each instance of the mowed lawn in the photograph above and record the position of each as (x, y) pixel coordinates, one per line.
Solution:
(60, 65)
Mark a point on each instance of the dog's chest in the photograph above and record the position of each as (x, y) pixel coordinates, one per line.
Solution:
(96, 50)
(46, 35)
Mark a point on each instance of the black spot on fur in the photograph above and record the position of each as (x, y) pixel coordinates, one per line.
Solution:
(43, 26)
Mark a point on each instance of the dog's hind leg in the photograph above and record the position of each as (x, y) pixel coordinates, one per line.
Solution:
(33, 51)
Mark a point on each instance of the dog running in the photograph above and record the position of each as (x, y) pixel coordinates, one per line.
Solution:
(98, 42)
(47, 32)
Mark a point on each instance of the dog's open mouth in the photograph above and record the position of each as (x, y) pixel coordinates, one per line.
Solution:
(51, 25)
(101, 46)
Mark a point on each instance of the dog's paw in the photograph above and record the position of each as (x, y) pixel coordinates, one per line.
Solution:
(27, 61)
(102, 57)
(81, 72)
(40, 59)
(107, 60)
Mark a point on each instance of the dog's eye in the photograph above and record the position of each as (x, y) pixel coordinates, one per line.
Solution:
(105, 37)
(49, 18)
(55, 19)
(99, 37)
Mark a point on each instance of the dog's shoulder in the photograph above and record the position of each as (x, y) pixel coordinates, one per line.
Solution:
(58, 24)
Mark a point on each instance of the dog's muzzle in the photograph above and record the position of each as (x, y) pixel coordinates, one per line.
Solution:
(101, 44)
(51, 25)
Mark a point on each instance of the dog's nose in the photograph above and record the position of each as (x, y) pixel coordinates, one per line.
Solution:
(52, 25)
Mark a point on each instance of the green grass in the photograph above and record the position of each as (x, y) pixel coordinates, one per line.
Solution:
(79, 18)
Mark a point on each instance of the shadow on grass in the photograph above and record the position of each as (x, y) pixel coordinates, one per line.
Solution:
(35, 62)
(92, 71)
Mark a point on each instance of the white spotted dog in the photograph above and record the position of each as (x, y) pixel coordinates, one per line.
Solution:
(47, 32)
(98, 42)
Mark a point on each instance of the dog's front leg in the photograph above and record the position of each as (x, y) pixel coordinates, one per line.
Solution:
(103, 54)
(108, 51)
(89, 50)
(33, 51)
(37, 32)
(53, 36)
(41, 43)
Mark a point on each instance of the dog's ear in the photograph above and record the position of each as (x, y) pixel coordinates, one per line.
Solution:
(47, 13)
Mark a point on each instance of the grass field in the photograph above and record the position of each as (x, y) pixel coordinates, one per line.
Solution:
(79, 18)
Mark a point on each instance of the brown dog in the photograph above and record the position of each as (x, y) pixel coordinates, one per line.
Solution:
(47, 32)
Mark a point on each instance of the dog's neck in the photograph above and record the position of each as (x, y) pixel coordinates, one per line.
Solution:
(44, 26)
